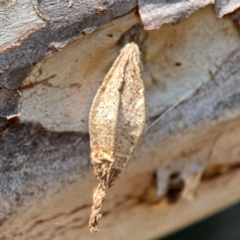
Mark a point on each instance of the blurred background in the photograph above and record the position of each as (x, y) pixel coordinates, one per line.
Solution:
(221, 226)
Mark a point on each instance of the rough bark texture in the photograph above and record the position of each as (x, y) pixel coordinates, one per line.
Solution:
(62, 24)
(52, 61)
(155, 13)
(223, 7)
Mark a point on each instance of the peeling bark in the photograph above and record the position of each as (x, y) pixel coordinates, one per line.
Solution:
(223, 7)
(82, 18)
(155, 14)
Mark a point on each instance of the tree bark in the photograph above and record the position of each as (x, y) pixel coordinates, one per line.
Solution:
(53, 57)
